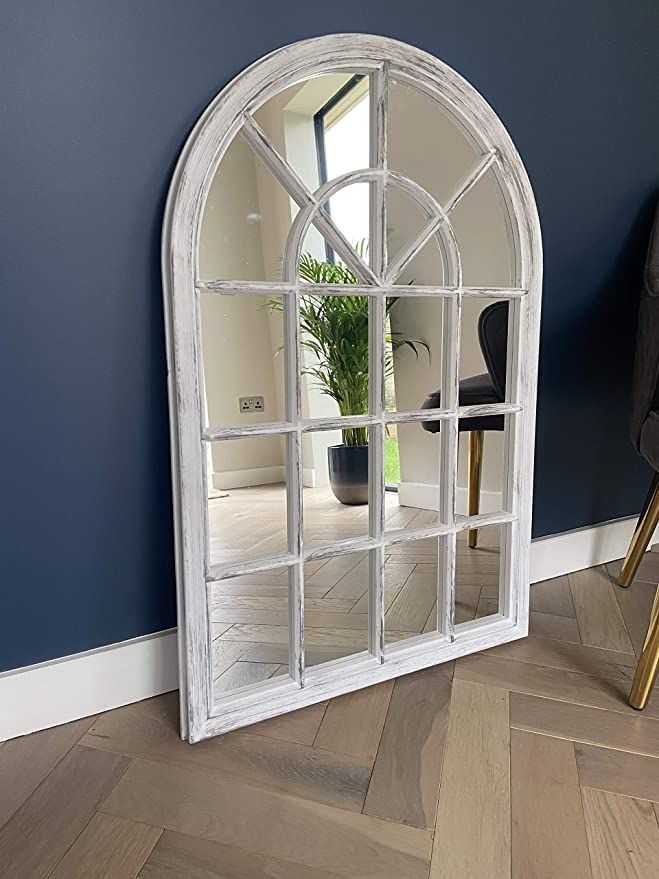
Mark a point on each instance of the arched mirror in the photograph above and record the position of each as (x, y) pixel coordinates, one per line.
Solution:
(352, 271)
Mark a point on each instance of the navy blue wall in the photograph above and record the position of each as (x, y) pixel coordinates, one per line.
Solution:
(97, 100)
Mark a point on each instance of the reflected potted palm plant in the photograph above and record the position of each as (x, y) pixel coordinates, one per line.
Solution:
(334, 330)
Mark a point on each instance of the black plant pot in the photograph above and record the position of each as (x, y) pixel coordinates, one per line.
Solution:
(348, 473)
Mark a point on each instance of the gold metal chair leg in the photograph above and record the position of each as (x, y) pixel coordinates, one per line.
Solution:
(644, 531)
(474, 479)
(648, 664)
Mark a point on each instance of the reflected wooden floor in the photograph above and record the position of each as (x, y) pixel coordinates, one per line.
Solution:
(249, 614)
(523, 762)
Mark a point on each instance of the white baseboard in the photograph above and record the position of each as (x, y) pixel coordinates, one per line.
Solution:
(251, 476)
(309, 477)
(560, 554)
(45, 695)
(425, 496)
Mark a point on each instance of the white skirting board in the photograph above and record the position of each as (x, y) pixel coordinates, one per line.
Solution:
(45, 695)
(61, 690)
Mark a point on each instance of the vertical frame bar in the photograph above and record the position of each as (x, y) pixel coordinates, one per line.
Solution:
(376, 357)
(513, 439)
(293, 390)
(448, 463)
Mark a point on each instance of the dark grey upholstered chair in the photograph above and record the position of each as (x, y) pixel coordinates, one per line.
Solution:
(645, 436)
(477, 390)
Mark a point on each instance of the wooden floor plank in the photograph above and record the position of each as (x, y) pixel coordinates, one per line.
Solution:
(177, 856)
(270, 824)
(26, 761)
(48, 822)
(551, 625)
(599, 691)
(472, 834)
(633, 775)
(108, 848)
(571, 657)
(623, 836)
(546, 808)
(552, 596)
(600, 621)
(148, 730)
(297, 726)
(579, 723)
(405, 781)
(353, 723)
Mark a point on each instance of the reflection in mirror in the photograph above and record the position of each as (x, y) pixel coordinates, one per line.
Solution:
(320, 126)
(411, 458)
(481, 472)
(243, 355)
(247, 498)
(248, 212)
(331, 628)
(233, 228)
(335, 485)
(481, 225)
(249, 630)
(413, 345)
(411, 588)
(477, 573)
(437, 159)
(483, 351)
(334, 340)
(445, 155)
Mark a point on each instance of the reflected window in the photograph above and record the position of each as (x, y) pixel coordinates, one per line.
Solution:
(342, 144)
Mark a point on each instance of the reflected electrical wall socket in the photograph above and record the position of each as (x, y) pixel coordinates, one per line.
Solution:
(251, 404)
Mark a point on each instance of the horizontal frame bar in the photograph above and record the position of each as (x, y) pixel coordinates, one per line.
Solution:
(228, 570)
(341, 422)
(273, 288)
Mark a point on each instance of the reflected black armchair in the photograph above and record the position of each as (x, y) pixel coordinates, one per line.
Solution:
(478, 390)
(645, 437)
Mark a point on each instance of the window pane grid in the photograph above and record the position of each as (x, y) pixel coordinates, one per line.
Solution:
(377, 419)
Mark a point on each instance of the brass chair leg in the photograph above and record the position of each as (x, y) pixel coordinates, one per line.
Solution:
(474, 479)
(644, 530)
(648, 664)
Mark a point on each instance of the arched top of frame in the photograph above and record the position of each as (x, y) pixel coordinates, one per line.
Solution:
(232, 111)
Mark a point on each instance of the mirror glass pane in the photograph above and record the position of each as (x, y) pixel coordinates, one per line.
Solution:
(335, 485)
(243, 356)
(249, 630)
(477, 574)
(413, 346)
(489, 499)
(246, 498)
(425, 143)
(411, 475)
(331, 628)
(481, 225)
(411, 587)
(334, 355)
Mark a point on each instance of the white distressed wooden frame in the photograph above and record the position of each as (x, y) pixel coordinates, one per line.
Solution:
(229, 115)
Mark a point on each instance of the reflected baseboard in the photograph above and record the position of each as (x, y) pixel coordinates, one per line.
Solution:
(251, 476)
(425, 496)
